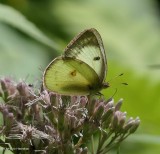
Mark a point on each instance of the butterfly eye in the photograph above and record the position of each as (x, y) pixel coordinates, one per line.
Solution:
(96, 58)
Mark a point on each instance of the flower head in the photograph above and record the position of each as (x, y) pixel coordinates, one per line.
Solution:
(58, 123)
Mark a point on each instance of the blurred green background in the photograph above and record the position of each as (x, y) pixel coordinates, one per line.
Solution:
(33, 32)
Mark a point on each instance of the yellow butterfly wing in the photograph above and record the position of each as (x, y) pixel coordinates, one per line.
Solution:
(69, 76)
(88, 47)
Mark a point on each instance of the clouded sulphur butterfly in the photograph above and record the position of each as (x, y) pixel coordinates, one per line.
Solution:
(81, 70)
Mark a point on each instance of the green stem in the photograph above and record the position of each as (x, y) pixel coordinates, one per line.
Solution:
(102, 141)
(92, 139)
(109, 145)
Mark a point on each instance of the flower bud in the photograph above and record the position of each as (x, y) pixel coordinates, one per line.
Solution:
(107, 114)
(4, 89)
(21, 87)
(135, 126)
(107, 118)
(128, 126)
(91, 106)
(98, 113)
(10, 115)
(109, 105)
(118, 105)
(122, 121)
(85, 151)
(115, 121)
(3, 85)
(83, 102)
(52, 98)
(1, 94)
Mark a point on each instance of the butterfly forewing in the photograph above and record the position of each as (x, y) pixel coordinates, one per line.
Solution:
(70, 77)
(88, 47)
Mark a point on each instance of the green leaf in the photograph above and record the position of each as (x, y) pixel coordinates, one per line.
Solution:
(20, 57)
(14, 18)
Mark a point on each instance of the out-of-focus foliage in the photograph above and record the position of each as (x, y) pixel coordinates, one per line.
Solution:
(131, 35)
(19, 40)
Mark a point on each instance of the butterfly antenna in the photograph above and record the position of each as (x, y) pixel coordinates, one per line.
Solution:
(124, 83)
(115, 77)
(111, 98)
(114, 93)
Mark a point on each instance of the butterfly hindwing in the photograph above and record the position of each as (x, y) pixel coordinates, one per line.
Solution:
(69, 76)
(88, 47)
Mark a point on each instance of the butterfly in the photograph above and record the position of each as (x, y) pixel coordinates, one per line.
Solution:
(81, 70)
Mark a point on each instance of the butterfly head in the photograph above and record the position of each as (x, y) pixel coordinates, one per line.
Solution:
(105, 85)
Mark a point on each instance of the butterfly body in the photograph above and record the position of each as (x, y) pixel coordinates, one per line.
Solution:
(82, 68)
